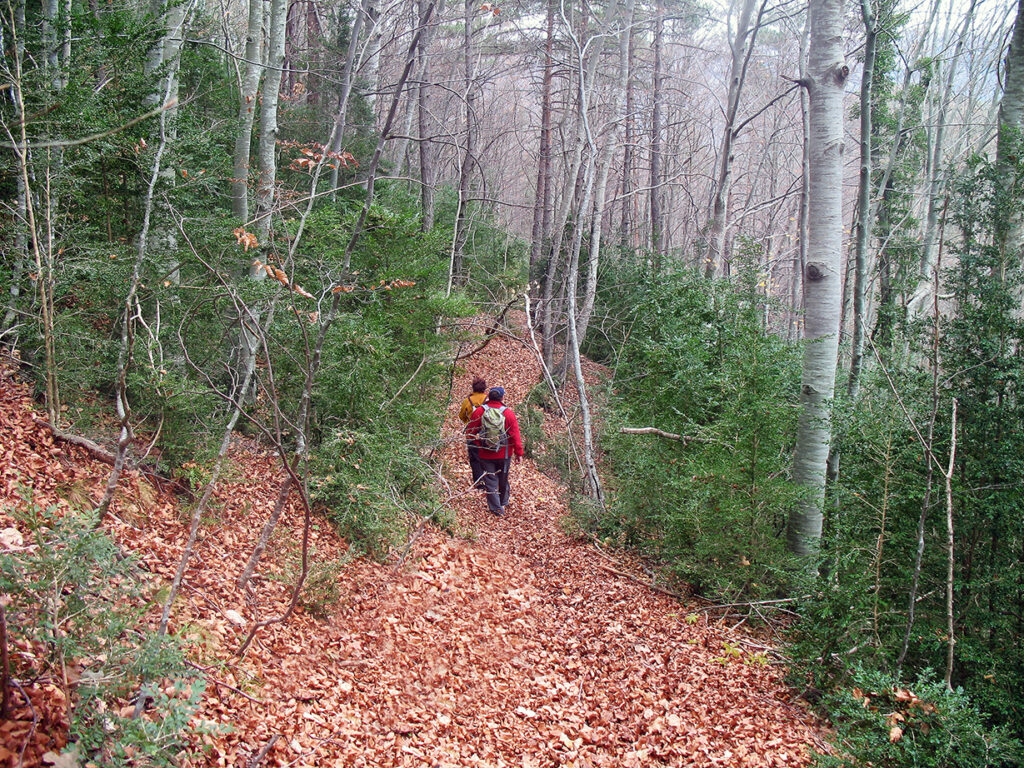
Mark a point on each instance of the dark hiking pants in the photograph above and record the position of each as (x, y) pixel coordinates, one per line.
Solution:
(474, 464)
(495, 479)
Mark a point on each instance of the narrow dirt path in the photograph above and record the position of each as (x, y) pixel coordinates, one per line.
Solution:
(590, 668)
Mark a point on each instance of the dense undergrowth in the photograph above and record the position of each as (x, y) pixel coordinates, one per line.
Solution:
(701, 360)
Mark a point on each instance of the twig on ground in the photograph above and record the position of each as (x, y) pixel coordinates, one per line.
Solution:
(649, 585)
(35, 722)
(260, 756)
(221, 683)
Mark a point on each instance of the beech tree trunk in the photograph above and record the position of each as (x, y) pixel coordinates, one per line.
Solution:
(542, 194)
(247, 110)
(555, 254)
(585, 82)
(9, 331)
(611, 144)
(267, 150)
(826, 76)
(657, 219)
(425, 120)
(628, 203)
(864, 217)
(468, 150)
(800, 258)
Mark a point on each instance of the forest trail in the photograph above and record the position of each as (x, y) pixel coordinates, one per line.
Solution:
(510, 643)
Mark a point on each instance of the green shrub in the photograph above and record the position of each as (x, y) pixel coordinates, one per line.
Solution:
(880, 722)
(366, 482)
(78, 600)
(712, 507)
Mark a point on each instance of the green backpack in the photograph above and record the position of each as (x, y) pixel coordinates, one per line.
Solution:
(492, 434)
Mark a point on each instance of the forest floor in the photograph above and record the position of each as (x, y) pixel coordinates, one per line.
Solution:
(504, 642)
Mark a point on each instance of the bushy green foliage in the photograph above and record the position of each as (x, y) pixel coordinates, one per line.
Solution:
(496, 265)
(368, 482)
(536, 445)
(885, 537)
(882, 723)
(698, 364)
(77, 601)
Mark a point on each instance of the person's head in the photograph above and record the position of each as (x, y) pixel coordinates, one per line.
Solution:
(479, 385)
(496, 393)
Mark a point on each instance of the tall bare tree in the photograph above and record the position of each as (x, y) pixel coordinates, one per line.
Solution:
(1011, 123)
(657, 95)
(869, 18)
(266, 189)
(741, 46)
(425, 121)
(826, 76)
(938, 170)
(542, 195)
(623, 17)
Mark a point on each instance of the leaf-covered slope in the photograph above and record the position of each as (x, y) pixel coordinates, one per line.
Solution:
(510, 644)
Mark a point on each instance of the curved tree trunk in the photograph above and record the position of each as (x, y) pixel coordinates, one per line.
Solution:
(604, 166)
(714, 259)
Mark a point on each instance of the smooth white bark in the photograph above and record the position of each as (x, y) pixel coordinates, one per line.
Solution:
(826, 75)
(609, 149)
(247, 110)
(267, 149)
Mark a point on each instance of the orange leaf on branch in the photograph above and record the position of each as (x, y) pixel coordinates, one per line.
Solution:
(245, 239)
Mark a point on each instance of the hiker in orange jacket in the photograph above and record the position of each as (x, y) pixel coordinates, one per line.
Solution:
(475, 399)
(496, 430)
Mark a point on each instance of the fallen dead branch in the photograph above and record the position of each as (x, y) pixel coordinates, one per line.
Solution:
(491, 330)
(260, 756)
(649, 585)
(655, 431)
(756, 603)
(98, 452)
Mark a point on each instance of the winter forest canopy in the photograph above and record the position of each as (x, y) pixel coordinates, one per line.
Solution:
(792, 234)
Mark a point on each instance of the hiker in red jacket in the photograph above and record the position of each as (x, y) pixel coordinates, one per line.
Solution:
(497, 436)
